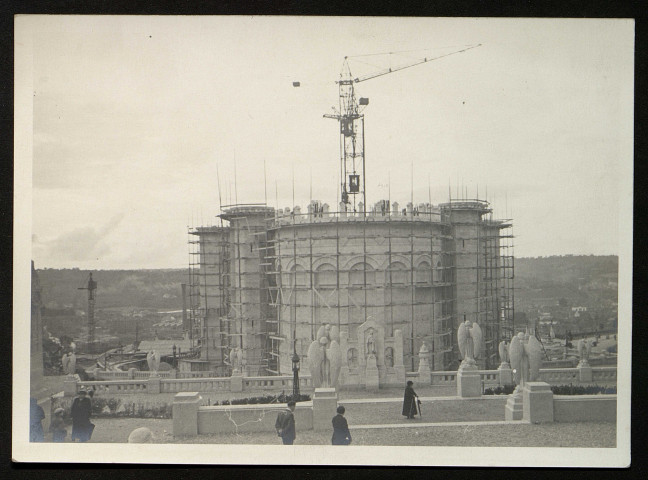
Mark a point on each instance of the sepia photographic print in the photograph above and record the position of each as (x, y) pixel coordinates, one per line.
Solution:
(323, 240)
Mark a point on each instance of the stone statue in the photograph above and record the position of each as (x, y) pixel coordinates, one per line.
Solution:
(525, 352)
(325, 357)
(470, 340)
(69, 363)
(503, 353)
(584, 349)
(153, 360)
(236, 359)
(371, 343)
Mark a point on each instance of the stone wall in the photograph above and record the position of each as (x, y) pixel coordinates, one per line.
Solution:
(585, 408)
(250, 418)
(190, 418)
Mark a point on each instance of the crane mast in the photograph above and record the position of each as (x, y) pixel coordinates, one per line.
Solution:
(351, 119)
(91, 287)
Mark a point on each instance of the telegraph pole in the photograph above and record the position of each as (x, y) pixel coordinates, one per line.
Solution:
(91, 287)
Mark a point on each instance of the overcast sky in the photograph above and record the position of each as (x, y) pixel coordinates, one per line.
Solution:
(134, 115)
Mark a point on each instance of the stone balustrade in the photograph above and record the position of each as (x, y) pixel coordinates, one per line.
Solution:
(604, 374)
(167, 382)
(489, 377)
(559, 375)
(161, 384)
(195, 385)
(444, 378)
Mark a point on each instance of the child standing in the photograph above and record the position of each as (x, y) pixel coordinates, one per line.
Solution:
(57, 426)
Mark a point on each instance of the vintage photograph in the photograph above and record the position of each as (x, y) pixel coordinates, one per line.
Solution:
(278, 236)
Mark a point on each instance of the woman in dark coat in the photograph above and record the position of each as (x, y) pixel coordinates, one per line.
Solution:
(36, 416)
(80, 411)
(341, 434)
(410, 407)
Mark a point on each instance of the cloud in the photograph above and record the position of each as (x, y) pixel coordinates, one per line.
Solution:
(83, 243)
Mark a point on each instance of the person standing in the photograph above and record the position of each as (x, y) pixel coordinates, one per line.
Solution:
(36, 416)
(410, 407)
(285, 424)
(341, 434)
(57, 426)
(80, 411)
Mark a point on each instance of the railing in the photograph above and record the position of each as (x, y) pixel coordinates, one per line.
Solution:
(604, 374)
(130, 374)
(559, 375)
(115, 386)
(422, 215)
(205, 374)
(195, 385)
(147, 374)
(444, 378)
(274, 382)
(168, 384)
(489, 377)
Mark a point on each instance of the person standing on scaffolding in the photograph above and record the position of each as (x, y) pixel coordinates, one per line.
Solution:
(410, 401)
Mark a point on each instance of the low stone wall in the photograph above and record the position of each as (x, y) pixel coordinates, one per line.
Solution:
(585, 408)
(250, 418)
(190, 418)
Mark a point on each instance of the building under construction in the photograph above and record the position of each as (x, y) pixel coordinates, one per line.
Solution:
(267, 279)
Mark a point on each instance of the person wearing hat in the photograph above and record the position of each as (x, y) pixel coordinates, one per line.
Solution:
(285, 424)
(410, 407)
(80, 411)
(57, 426)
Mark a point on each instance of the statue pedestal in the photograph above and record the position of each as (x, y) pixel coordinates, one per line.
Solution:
(70, 386)
(505, 374)
(514, 407)
(236, 382)
(154, 384)
(324, 408)
(584, 371)
(537, 402)
(468, 381)
(371, 378)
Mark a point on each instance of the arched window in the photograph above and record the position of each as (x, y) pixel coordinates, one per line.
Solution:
(397, 274)
(361, 272)
(438, 272)
(423, 273)
(325, 276)
(389, 357)
(352, 358)
(298, 277)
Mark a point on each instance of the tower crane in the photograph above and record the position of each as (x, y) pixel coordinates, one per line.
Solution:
(349, 115)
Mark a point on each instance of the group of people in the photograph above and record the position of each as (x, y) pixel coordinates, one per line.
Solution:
(285, 424)
(80, 412)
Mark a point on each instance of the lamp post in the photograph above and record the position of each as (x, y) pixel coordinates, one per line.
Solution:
(295, 369)
(175, 365)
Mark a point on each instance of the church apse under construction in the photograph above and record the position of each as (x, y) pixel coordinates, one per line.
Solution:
(398, 277)
(270, 279)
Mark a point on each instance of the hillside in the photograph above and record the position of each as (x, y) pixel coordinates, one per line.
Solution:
(115, 288)
(547, 288)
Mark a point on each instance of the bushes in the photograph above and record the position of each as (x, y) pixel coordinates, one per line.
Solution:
(558, 390)
(114, 407)
(281, 398)
(500, 390)
(582, 390)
